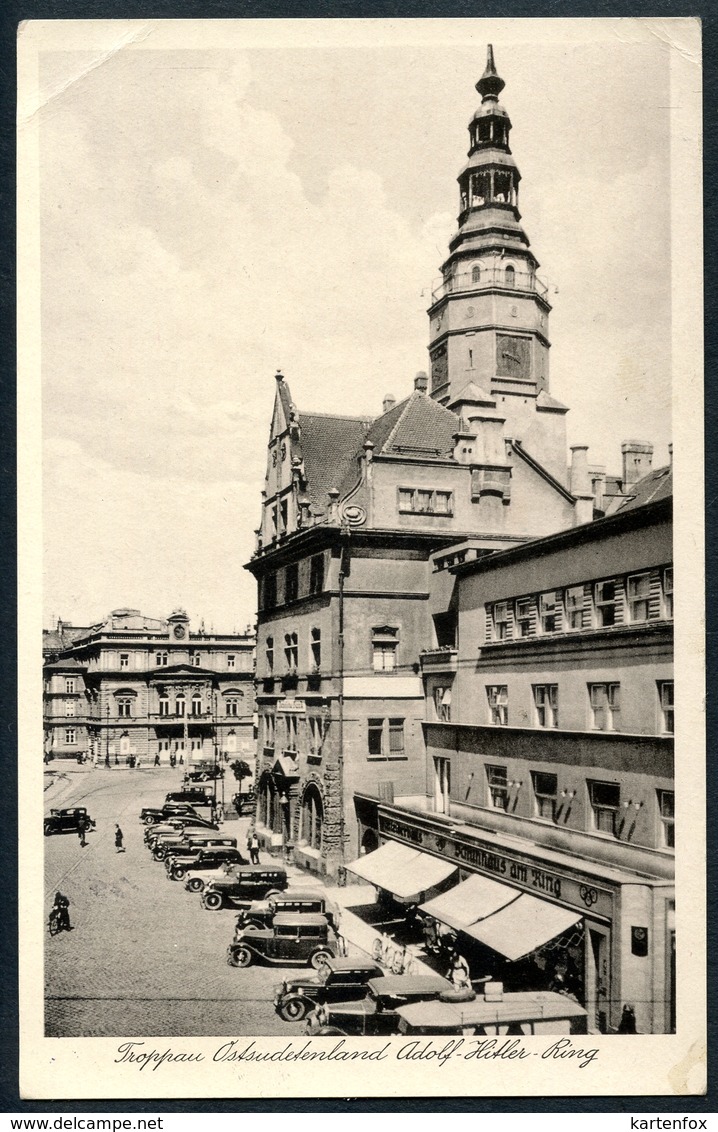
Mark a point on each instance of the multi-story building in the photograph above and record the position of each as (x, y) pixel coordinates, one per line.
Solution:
(354, 508)
(549, 790)
(142, 687)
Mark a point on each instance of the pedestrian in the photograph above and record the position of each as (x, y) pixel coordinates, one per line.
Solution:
(107, 761)
(118, 840)
(458, 971)
(627, 1025)
(81, 830)
(157, 759)
(253, 846)
(61, 910)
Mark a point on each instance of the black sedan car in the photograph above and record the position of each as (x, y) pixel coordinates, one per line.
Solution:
(67, 821)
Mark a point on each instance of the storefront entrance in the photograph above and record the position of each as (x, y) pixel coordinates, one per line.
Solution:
(598, 979)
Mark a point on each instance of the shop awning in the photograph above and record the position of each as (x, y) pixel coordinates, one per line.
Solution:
(473, 899)
(404, 871)
(522, 926)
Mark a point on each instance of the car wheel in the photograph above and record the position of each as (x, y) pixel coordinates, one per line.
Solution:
(272, 892)
(212, 900)
(149, 821)
(158, 854)
(319, 958)
(253, 924)
(196, 884)
(325, 1031)
(294, 1009)
(47, 829)
(178, 873)
(239, 957)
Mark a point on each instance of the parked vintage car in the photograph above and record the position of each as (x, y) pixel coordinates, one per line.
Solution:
(260, 913)
(175, 826)
(67, 821)
(340, 980)
(152, 814)
(251, 882)
(197, 880)
(206, 860)
(205, 773)
(290, 939)
(185, 844)
(376, 1013)
(525, 1012)
(244, 803)
(190, 797)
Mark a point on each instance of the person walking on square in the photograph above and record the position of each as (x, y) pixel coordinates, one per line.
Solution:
(253, 846)
(118, 840)
(81, 830)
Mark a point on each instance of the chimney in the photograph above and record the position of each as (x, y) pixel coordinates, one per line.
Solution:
(581, 487)
(637, 460)
(421, 382)
(388, 403)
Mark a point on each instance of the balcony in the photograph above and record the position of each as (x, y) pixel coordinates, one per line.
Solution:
(523, 281)
(436, 661)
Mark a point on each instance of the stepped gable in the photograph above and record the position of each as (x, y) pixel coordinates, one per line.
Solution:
(330, 446)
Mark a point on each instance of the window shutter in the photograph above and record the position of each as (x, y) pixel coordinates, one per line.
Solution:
(620, 601)
(510, 621)
(587, 605)
(655, 596)
(489, 622)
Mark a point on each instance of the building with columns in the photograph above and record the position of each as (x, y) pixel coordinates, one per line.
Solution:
(355, 510)
(144, 687)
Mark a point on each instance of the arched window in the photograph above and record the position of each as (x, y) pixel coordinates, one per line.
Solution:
(475, 273)
(233, 702)
(196, 704)
(125, 743)
(510, 276)
(164, 704)
(312, 818)
(179, 704)
(231, 743)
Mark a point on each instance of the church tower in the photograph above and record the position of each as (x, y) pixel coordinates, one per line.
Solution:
(489, 313)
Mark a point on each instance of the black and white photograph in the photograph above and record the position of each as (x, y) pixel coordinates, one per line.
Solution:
(355, 360)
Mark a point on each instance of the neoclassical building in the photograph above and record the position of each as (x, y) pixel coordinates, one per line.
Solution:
(141, 686)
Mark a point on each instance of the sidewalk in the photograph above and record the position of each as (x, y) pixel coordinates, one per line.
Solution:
(356, 930)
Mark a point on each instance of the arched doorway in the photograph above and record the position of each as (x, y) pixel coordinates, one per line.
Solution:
(312, 818)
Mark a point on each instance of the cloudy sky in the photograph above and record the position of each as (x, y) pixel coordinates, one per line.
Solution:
(216, 207)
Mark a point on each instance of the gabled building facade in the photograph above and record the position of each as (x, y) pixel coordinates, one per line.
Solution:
(137, 687)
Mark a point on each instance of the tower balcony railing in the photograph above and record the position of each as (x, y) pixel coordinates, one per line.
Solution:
(487, 278)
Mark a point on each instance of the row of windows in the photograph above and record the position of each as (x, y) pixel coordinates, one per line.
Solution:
(293, 730)
(162, 659)
(609, 813)
(384, 646)
(633, 599)
(603, 705)
(425, 501)
(293, 583)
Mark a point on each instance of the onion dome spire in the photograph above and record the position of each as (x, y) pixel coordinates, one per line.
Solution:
(490, 84)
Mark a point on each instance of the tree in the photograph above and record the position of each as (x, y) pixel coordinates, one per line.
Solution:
(241, 770)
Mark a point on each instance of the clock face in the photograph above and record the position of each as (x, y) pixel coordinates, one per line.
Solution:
(513, 356)
(179, 632)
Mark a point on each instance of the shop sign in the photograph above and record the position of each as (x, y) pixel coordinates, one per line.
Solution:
(296, 707)
(504, 866)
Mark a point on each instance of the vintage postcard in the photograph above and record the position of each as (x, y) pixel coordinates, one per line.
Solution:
(356, 357)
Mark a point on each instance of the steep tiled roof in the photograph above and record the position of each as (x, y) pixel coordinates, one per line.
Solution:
(63, 665)
(656, 485)
(423, 428)
(382, 428)
(330, 446)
